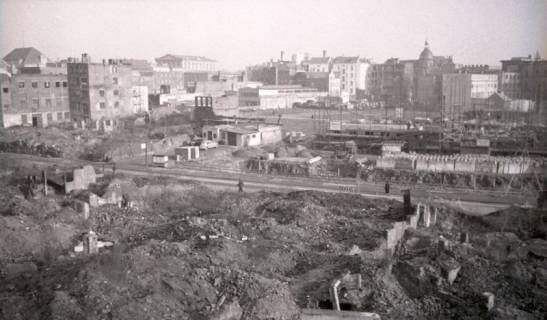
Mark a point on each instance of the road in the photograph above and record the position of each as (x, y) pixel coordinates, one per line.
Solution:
(484, 201)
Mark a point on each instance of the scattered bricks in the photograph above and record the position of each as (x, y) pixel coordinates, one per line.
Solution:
(450, 269)
(489, 300)
(90, 243)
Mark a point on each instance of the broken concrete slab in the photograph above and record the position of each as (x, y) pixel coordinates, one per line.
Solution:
(538, 247)
(449, 268)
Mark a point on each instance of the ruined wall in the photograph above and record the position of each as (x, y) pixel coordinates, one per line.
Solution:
(81, 179)
(460, 163)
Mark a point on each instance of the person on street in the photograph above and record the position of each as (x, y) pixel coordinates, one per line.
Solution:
(386, 187)
(240, 185)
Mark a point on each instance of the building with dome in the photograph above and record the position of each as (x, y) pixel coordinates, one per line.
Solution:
(429, 70)
(405, 82)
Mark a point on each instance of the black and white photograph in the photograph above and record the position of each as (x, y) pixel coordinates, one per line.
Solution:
(273, 159)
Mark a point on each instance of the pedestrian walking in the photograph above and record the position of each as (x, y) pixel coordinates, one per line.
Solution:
(386, 187)
(113, 168)
(240, 185)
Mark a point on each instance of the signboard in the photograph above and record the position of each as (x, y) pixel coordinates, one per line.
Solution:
(143, 146)
(483, 142)
(335, 125)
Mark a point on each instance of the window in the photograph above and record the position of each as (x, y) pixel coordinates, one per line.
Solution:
(83, 80)
(116, 104)
(46, 84)
(101, 93)
(59, 116)
(6, 106)
(48, 103)
(5, 90)
(59, 102)
(36, 103)
(102, 105)
(115, 80)
(49, 117)
(65, 84)
(23, 103)
(24, 118)
(57, 84)
(21, 84)
(116, 92)
(34, 84)
(67, 115)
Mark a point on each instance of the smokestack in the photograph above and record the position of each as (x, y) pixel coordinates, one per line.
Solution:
(324, 53)
(282, 53)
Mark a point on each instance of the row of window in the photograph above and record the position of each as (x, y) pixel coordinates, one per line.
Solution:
(34, 84)
(102, 105)
(35, 103)
(25, 119)
(115, 92)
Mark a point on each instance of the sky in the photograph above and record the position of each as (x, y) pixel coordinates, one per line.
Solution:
(238, 33)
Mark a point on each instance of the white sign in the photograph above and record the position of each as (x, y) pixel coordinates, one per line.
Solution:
(143, 146)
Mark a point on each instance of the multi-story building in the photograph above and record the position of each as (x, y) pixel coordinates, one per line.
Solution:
(34, 94)
(456, 95)
(318, 64)
(352, 72)
(100, 91)
(139, 99)
(391, 81)
(277, 97)
(187, 63)
(272, 73)
(509, 84)
(533, 81)
(428, 71)
(483, 85)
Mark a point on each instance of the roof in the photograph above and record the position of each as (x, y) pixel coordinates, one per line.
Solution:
(22, 56)
(346, 59)
(184, 57)
(317, 75)
(499, 95)
(240, 130)
(317, 60)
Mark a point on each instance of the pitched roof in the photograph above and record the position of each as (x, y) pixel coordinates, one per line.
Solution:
(317, 60)
(23, 56)
(346, 59)
(185, 57)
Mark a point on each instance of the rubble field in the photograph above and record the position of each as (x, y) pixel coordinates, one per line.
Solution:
(183, 251)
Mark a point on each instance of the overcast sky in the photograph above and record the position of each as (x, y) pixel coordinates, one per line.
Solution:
(242, 32)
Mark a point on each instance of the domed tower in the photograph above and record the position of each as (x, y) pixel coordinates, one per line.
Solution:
(426, 60)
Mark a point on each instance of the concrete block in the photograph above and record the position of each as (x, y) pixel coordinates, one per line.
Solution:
(434, 214)
(489, 300)
(450, 269)
(90, 243)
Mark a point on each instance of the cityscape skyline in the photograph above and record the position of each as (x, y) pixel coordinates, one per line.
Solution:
(248, 33)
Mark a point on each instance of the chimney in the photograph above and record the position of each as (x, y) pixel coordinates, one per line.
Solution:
(282, 53)
(324, 53)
